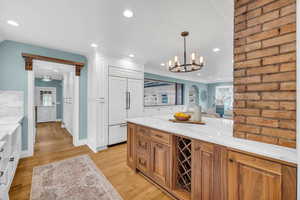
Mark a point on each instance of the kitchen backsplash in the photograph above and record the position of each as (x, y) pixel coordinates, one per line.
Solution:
(11, 103)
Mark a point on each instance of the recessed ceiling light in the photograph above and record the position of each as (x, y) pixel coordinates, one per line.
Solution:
(128, 13)
(199, 74)
(163, 64)
(131, 55)
(94, 45)
(216, 50)
(12, 23)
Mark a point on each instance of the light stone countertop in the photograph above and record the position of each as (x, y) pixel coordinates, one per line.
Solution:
(218, 131)
(11, 120)
(7, 129)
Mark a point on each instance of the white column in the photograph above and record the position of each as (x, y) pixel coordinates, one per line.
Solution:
(76, 112)
(30, 112)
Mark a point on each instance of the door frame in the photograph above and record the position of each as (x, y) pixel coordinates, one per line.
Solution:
(29, 58)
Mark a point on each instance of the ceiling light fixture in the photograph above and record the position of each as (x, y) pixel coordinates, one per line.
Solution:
(94, 45)
(128, 13)
(47, 78)
(162, 64)
(216, 50)
(186, 67)
(131, 55)
(12, 23)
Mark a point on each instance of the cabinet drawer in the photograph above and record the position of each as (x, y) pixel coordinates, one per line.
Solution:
(143, 144)
(143, 131)
(143, 163)
(161, 136)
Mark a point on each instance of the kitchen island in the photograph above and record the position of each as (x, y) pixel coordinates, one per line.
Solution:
(206, 162)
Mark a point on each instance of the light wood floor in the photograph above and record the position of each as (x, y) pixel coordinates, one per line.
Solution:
(54, 143)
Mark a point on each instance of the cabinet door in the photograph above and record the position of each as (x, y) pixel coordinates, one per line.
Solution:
(253, 178)
(131, 145)
(117, 100)
(135, 98)
(209, 169)
(160, 163)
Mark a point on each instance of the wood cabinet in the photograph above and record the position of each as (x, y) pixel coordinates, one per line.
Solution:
(250, 178)
(209, 171)
(160, 163)
(131, 131)
(216, 172)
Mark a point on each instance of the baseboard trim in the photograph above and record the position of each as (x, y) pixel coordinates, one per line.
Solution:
(25, 154)
(101, 148)
(91, 147)
(81, 142)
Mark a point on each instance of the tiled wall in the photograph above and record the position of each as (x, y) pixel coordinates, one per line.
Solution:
(11, 103)
(265, 71)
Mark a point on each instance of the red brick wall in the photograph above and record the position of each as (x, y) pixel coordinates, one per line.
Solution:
(265, 71)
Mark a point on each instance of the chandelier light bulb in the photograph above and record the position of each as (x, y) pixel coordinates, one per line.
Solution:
(186, 66)
(193, 56)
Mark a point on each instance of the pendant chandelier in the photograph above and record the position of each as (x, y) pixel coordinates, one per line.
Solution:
(186, 67)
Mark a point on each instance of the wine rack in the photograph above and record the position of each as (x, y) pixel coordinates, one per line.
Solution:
(184, 163)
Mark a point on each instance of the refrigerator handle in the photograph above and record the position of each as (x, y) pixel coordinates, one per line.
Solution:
(129, 103)
(127, 107)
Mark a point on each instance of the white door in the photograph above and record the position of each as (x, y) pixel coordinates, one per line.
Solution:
(117, 100)
(46, 104)
(135, 98)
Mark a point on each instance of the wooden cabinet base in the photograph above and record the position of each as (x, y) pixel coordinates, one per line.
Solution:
(188, 169)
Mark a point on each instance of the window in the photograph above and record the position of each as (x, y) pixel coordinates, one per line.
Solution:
(46, 98)
(159, 93)
(224, 97)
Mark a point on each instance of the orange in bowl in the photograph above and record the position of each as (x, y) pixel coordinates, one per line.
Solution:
(182, 116)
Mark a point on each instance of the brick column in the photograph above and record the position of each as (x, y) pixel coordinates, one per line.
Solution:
(265, 71)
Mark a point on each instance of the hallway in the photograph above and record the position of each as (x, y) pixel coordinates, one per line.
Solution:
(51, 138)
(54, 144)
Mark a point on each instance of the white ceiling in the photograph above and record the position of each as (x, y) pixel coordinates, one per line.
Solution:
(55, 70)
(152, 35)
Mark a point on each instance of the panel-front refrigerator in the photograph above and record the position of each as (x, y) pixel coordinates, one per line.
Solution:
(125, 101)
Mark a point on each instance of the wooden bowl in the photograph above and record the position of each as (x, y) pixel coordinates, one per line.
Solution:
(182, 118)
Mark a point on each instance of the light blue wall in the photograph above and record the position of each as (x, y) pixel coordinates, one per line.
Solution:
(14, 77)
(212, 92)
(187, 84)
(59, 93)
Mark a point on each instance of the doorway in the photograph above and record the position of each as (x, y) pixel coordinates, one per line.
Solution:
(194, 95)
(54, 105)
(30, 63)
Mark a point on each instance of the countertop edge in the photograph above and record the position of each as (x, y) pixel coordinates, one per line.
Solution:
(253, 147)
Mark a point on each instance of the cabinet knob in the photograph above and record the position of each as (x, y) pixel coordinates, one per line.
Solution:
(231, 160)
(11, 159)
(1, 173)
(1, 150)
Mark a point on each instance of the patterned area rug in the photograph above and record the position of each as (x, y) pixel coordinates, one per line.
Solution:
(76, 178)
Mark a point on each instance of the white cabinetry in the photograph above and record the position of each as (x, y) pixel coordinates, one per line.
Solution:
(10, 148)
(101, 102)
(68, 95)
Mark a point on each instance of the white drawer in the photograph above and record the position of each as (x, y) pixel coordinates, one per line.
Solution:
(4, 155)
(117, 134)
(5, 175)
